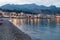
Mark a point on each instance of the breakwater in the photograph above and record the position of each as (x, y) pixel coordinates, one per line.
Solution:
(8, 31)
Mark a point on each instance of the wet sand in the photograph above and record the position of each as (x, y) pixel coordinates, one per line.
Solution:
(8, 31)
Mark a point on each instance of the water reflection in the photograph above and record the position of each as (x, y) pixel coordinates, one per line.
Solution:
(36, 21)
(40, 29)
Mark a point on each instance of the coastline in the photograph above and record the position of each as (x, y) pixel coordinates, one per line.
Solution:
(9, 31)
(23, 35)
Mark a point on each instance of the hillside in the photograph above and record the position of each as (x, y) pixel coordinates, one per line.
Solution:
(31, 8)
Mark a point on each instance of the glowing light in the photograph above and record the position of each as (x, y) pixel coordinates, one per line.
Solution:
(57, 19)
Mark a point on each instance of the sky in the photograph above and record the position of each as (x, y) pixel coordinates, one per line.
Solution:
(38, 2)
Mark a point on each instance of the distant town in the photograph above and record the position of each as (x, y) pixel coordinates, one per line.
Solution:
(23, 15)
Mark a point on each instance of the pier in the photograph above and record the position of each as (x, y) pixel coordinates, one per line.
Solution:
(8, 31)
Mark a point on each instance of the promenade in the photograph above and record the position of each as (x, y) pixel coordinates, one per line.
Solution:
(9, 32)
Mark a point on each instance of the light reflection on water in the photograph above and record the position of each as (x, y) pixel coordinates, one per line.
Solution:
(40, 29)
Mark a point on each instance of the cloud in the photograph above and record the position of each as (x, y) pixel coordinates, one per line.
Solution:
(38, 2)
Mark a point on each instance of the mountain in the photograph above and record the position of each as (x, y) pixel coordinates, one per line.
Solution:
(23, 7)
(30, 8)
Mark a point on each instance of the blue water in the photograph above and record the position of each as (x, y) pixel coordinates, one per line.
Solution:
(40, 29)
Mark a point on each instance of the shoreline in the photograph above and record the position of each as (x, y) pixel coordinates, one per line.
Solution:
(9, 31)
(24, 35)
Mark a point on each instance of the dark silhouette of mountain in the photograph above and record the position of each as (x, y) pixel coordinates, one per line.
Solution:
(32, 8)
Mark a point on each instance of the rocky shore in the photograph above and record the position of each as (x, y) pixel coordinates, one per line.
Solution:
(8, 31)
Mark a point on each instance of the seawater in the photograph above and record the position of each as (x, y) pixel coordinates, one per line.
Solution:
(40, 29)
